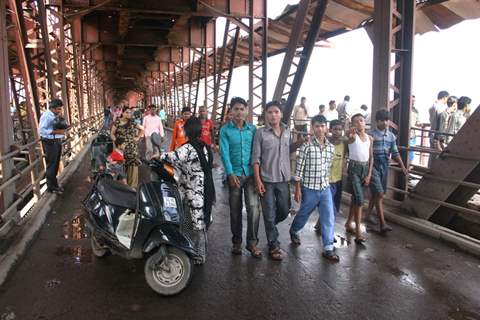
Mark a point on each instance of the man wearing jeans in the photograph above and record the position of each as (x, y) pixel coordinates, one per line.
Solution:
(313, 188)
(236, 140)
(271, 165)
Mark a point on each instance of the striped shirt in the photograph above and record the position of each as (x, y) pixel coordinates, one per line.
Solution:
(314, 164)
(384, 144)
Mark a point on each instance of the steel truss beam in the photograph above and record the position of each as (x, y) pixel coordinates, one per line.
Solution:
(290, 62)
(224, 78)
(308, 46)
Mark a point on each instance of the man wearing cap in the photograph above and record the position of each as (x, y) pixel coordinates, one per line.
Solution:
(52, 138)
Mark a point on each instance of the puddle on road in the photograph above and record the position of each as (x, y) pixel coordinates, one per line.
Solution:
(77, 254)
(75, 228)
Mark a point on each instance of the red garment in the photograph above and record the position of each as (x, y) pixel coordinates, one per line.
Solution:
(117, 156)
(206, 135)
(178, 135)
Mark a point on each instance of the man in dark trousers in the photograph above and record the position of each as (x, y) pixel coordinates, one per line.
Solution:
(52, 137)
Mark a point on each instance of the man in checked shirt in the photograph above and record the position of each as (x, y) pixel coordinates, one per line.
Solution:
(312, 187)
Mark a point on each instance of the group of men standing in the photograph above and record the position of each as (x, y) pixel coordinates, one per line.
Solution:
(447, 115)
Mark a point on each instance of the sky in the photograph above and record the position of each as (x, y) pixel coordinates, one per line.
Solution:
(445, 60)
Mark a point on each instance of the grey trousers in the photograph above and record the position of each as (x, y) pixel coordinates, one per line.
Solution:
(247, 190)
(276, 204)
(150, 149)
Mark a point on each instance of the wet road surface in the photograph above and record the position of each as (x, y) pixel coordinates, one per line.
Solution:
(402, 276)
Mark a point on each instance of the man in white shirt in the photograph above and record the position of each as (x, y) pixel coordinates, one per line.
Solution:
(342, 108)
(331, 113)
(300, 117)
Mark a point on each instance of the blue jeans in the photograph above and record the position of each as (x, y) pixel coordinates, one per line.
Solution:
(322, 200)
(275, 208)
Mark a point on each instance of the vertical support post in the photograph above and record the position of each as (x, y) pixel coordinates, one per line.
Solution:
(6, 136)
(382, 40)
(264, 55)
(42, 13)
(63, 67)
(393, 32)
(251, 59)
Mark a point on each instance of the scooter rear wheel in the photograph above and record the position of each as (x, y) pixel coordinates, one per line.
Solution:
(171, 274)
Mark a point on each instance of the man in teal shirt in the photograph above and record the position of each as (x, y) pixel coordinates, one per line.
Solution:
(236, 141)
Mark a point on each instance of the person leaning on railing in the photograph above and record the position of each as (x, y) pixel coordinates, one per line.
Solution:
(52, 129)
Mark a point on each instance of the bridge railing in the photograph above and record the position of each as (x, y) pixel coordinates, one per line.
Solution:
(28, 182)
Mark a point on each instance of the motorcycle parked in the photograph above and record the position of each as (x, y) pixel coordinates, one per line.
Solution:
(143, 224)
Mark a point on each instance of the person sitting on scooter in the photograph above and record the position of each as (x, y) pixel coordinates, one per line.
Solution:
(192, 164)
(116, 161)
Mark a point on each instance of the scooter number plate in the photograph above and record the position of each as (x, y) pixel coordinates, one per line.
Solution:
(170, 202)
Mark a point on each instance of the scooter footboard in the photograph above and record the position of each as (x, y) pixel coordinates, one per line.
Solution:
(169, 234)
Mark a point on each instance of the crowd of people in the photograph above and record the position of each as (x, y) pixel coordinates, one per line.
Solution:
(447, 115)
(258, 167)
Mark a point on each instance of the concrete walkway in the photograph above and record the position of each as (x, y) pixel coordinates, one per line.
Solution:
(402, 276)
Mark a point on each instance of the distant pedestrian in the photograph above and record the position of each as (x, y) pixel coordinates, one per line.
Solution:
(300, 117)
(331, 113)
(207, 127)
(126, 128)
(343, 109)
(178, 135)
(52, 137)
(460, 116)
(152, 123)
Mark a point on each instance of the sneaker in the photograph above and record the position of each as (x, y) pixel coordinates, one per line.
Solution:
(295, 238)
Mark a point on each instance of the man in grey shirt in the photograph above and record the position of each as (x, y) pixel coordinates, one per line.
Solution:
(271, 168)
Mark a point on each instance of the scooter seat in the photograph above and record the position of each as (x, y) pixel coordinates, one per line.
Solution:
(117, 194)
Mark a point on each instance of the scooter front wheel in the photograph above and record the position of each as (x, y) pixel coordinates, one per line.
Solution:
(169, 274)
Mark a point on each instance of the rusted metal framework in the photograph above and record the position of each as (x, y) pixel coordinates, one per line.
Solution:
(98, 53)
(39, 60)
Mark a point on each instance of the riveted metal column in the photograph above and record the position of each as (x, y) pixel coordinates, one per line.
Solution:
(6, 136)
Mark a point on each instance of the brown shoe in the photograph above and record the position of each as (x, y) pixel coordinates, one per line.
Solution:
(275, 254)
(255, 252)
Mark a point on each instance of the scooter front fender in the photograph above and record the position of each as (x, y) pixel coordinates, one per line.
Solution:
(169, 234)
